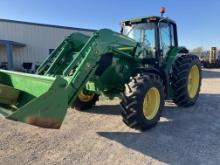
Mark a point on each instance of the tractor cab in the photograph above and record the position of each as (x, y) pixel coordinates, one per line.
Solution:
(156, 35)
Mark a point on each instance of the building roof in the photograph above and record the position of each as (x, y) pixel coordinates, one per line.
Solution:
(46, 25)
(13, 43)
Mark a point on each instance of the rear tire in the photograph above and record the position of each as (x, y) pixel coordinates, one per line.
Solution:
(186, 80)
(84, 102)
(143, 101)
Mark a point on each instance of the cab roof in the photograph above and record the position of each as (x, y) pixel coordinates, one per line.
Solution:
(147, 19)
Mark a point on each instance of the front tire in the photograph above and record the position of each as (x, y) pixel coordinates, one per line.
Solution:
(186, 80)
(85, 101)
(143, 101)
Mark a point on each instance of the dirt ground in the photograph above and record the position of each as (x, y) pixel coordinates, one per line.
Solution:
(183, 135)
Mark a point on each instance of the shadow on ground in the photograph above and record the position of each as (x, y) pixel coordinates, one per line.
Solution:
(210, 73)
(187, 136)
(105, 110)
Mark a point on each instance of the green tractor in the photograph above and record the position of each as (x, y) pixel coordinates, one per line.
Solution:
(143, 66)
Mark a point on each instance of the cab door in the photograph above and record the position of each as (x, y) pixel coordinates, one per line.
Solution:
(167, 39)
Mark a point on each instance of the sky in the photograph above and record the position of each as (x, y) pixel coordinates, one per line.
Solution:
(198, 20)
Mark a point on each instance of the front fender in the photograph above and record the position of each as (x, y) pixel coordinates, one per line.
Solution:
(164, 75)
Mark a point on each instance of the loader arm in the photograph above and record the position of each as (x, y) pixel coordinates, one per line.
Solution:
(78, 56)
(45, 97)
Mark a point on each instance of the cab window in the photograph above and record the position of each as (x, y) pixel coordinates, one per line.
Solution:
(145, 35)
(166, 37)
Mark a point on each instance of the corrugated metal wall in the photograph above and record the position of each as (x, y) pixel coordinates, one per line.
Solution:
(38, 40)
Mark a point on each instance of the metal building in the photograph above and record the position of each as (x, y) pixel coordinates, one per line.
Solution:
(26, 42)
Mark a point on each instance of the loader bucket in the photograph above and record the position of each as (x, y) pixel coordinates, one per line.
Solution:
(33, 99)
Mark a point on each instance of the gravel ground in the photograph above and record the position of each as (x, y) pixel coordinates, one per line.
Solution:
(183, 135)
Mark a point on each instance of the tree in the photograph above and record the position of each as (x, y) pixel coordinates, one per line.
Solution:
(198, 50)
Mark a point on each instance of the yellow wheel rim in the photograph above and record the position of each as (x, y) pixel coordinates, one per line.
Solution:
(193, 81)
(85, 98)
(151, 103)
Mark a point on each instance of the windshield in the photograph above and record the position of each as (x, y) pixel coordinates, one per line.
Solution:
(143, 33)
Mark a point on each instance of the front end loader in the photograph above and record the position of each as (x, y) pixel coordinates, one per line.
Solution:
(143, 66)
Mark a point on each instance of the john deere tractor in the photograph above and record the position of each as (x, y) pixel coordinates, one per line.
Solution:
(143, 66)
